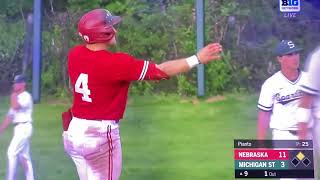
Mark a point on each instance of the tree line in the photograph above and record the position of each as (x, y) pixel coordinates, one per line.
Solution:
(158, 30)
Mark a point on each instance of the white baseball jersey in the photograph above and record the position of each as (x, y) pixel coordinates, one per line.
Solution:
(23, 114)
(312, 83)
(281, 96)
(19, 148)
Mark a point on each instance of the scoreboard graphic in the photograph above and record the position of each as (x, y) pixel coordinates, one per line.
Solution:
(273, 159)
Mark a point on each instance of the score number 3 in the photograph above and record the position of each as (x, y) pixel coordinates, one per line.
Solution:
(84, 90)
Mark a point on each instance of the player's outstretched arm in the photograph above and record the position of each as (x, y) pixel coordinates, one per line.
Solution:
(207, 54)
(5, 123)
(263, 124)
(304, 114)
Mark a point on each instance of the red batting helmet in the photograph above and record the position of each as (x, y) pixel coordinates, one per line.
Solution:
(96, 26)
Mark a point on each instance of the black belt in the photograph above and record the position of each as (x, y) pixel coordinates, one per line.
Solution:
(21, 123)
(295, 132)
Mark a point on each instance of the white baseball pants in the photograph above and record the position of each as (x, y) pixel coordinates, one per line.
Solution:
(19, 149)
(95, 148)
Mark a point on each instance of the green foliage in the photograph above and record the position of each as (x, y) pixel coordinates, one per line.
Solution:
(51, 73)
(218, 75)
(48, 80)
(142, 88)
(157, 35)
(143, 45)
(15, 8)
(10, 35)
(160, 30)
(83, 5)
(186, 86)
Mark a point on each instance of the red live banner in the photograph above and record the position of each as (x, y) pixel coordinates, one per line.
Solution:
(260, 154)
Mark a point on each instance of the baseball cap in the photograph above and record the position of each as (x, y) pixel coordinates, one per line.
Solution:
(286, 47)
(19, 78)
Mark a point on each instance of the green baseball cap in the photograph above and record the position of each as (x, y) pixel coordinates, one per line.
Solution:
(286, 47)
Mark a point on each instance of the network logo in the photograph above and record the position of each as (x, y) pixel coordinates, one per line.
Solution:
(287, 6)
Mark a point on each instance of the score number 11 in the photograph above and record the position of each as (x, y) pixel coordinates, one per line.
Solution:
(282, 155)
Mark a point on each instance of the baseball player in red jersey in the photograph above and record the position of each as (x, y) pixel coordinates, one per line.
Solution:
(100, 80)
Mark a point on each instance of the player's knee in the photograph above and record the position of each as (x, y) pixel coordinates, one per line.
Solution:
(11, 154)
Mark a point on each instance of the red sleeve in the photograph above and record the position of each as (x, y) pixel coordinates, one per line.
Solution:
(154, 73)
(132, 69)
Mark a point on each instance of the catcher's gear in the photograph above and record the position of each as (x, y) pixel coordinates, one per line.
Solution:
(96, 26)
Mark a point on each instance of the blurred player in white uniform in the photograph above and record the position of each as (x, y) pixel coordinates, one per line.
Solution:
(20, 115)
(280, 94)
(309, 107)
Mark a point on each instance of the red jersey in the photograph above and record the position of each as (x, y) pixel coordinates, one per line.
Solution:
(101, 79)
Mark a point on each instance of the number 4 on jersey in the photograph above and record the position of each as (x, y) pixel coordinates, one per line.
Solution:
(83, 80)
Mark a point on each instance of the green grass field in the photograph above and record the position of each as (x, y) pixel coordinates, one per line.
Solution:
(163, 138)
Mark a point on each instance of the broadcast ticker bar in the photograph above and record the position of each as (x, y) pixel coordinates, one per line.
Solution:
(274, 174)
(247, 143)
